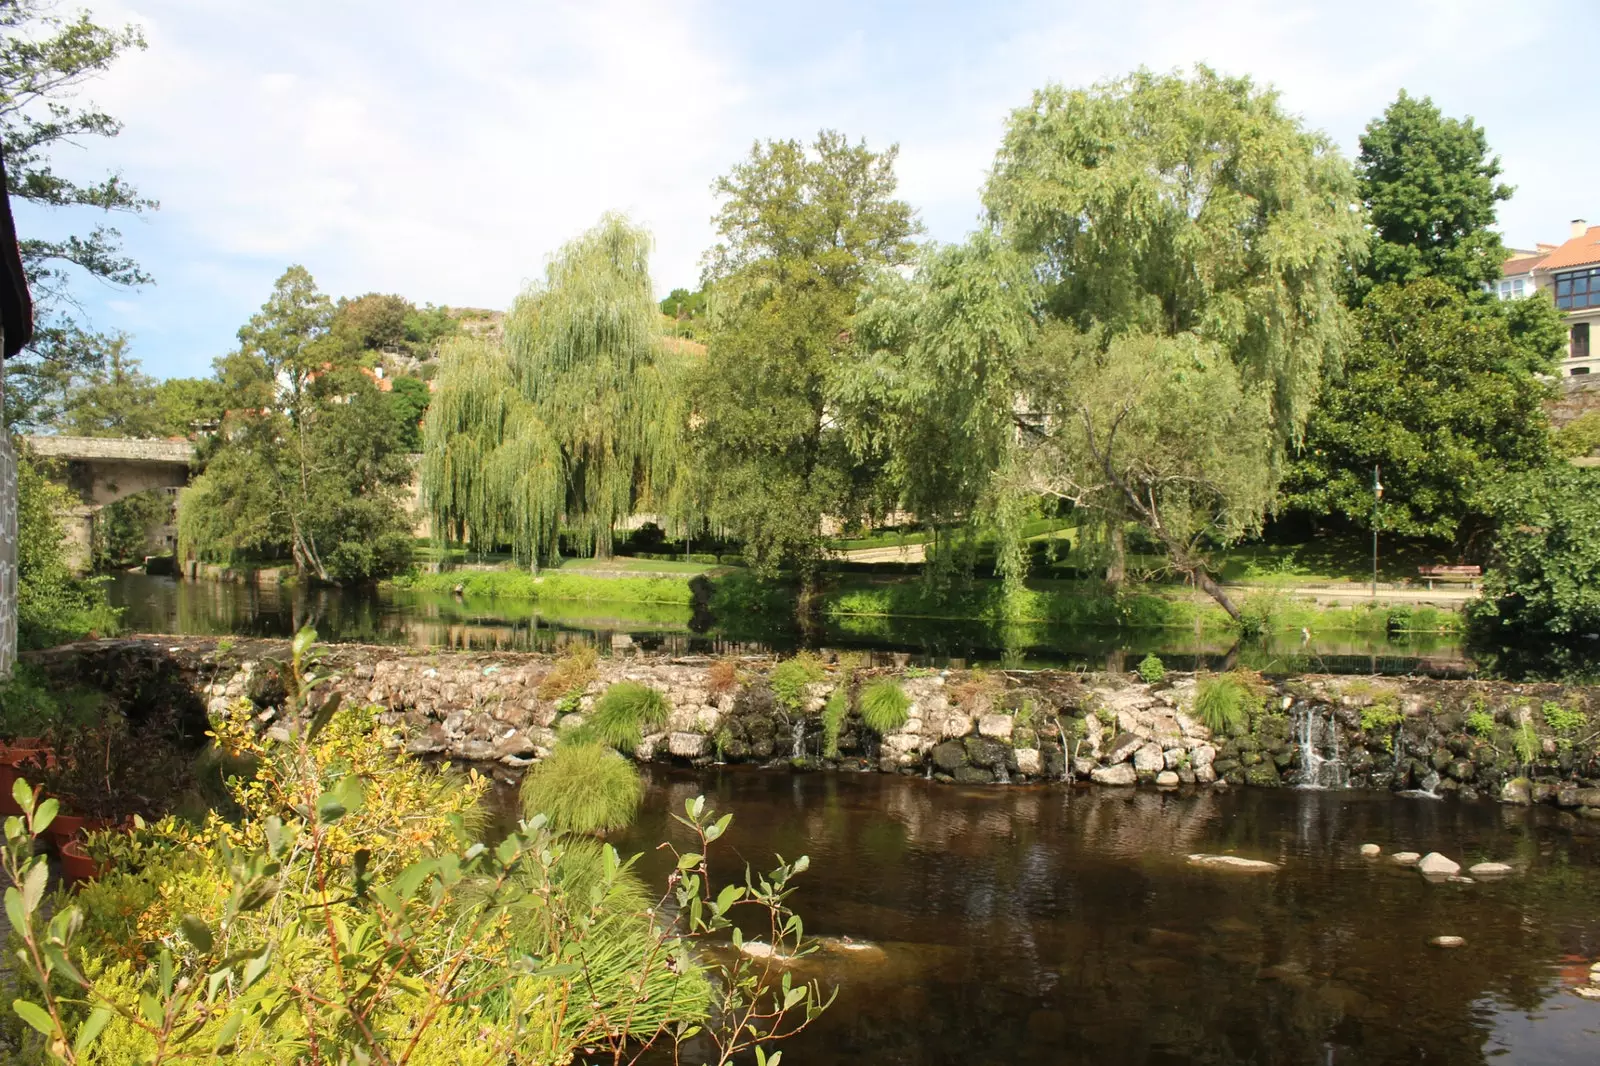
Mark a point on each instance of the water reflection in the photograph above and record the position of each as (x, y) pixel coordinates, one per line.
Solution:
(165, 605)
(1058, 926)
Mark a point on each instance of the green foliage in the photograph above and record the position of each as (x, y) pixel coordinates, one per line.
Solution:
(1541, 590)
(319, 474)
(1480, 723)
(32, 705)
(1430, 185)
(623, 713)
(1526, 743)
(53, 605)
(1222, 702)
(790, 678)
(583, 788)
(834, 713)
(1151, 669)
(802, 231)
(124, 530)
(48, 56)
(1580, 437)
(1563, 720)
(576, 419)
(409, 399)
(885, 706)
(1382, 716)
(1442, 397)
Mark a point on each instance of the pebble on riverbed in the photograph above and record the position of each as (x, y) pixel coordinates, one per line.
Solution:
(1449, 942)
(1233, 862)
(1435, 865)
(1370, 851)
(1489, 869)
(1406, 858)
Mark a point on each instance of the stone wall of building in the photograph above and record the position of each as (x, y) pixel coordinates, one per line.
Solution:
(1518, 743)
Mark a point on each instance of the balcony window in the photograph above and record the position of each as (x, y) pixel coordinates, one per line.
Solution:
(1579, 289)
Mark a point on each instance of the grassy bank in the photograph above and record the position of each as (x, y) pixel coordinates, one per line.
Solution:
(551, 585)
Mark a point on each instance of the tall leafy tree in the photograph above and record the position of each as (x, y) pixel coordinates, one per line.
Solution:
(311, 466)
(1431, 189)
(576, 419)
(1193, 230)
(803, 230)
(45, 61)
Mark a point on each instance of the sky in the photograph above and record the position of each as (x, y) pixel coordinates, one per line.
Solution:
(444, 151)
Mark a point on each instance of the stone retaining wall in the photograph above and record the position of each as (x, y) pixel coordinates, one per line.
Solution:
(1518, 743)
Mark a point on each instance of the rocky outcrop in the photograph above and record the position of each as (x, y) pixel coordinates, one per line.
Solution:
(1517, 743)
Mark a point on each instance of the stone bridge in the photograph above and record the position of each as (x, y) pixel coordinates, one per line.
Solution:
(103, 470)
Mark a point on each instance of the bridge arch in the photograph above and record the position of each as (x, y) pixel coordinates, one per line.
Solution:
(103, 470)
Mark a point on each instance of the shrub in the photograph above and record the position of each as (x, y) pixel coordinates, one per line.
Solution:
(1222, 703)
(571, 673)
(1480, 722)
(722, 677)
(621, 716)
(1257, 615)
(1151, 669)
(790, 678)
(884, 706)
(833, 715)
(1381, 717)
(583, 788)
(1563, 720)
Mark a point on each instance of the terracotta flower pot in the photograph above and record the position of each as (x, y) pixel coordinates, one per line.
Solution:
(76, 864)
(65, 827)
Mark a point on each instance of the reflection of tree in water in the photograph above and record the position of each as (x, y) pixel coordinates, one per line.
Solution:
(1052, 925)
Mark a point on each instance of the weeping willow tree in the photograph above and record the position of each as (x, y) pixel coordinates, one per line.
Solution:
(574, 421)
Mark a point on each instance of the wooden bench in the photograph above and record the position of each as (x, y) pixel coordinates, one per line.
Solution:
(1469, 574)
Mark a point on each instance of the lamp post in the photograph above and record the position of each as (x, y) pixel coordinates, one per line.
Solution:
(1377, 497)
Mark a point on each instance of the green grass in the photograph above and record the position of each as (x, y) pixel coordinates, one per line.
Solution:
(1222, 703)
(621, 716)
(626, 564)
(562, 585)
(833, 715)
(790, 678)
(1337, 558)
(884, 706)
(583, 788)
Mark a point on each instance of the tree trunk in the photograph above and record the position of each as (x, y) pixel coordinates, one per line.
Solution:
(1117, 565)
(1203, 581)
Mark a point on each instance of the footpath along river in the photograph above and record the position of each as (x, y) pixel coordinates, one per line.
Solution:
(1064, 925)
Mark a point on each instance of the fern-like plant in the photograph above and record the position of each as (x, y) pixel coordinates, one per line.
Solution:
(1151, 669)
(583, 788)
(622, 714)
(790, 678)
(833, 715)
(885, 706)
(1220, 703)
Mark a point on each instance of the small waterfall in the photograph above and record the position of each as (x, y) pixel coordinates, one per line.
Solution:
(1000, 775)
(1317, 737)
(799, 750)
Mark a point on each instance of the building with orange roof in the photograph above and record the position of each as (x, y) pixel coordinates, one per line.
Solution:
(1570, 273)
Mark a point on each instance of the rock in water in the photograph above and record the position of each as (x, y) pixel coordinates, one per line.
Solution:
(1167, 779)
(1120, 774)
(1448, 942)
(1406, 858)
(1587, 991)
(1435, 865)
(1233, 862)
(1370, 851)
(1489, 869)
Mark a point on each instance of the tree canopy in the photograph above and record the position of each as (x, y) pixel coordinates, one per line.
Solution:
(577, 418)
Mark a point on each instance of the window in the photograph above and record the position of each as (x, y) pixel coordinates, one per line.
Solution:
(1579, 370)
(1505, 290)
(1580, 341)
(1516, 287)
(1579, 289)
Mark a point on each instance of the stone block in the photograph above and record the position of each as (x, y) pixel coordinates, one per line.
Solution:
(1124, 746)
(956, 725)
(688, 745)
(1149, 759)
(1120, 774)
(1203, 756)
(996, 726)
(1167, 779)
(1029, 762)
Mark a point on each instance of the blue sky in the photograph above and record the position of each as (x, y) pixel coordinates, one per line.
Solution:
(443, 152)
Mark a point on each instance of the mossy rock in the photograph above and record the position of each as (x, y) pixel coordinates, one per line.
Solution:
(949, 756)
(971, 775)
(1024, 737)
(1283, 758)
(986, 753)
(1225, 767)
(1263, 775)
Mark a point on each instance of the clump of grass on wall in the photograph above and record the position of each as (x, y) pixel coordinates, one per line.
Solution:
(570, 673)
(833, 716)
(722, 677)
(1222, 703)
(790, 678)
(621, 716)
(884, 706)
(583, 788)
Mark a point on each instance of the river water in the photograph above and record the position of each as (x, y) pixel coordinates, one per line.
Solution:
(384, 616)
(1057, 925)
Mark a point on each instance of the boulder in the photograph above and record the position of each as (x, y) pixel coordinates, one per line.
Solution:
(996, 726)
(1167, 779)
(1120, 774)
(1174, 757)
(1406, 858)
(1029, 762)
(1124, 746)
(1370, 851)
(986, 753)
(1203, 756)
(1084, 767)
(1204, 775)
(688, 745)
(956, 725)
(1233, 863)
(1435, 865)
(949, 756)
(1149, 759)
(1489, 869)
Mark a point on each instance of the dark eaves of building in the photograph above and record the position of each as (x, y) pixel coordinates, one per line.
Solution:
(16, 308)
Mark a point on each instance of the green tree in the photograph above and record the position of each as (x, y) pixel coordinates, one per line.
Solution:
(372, 322)
(186, 406)
(1191, 226)
(803, 230)
(1430, 187)
(53, 604)
(576, 419)
(115, 399)
(409, 399)
(123, 530)
(1437, 394)
(1541, 591)
(45, 61)
(317, 473)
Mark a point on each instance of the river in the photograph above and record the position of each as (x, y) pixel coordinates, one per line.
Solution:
(1056, 925)
(386, 616)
